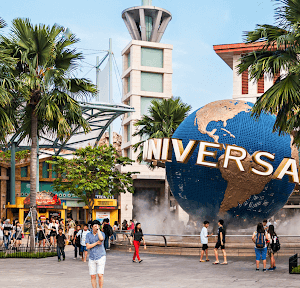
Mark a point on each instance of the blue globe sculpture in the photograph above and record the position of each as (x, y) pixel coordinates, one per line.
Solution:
(206, 193)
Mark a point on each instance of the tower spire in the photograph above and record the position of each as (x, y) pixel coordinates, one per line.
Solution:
(146, 22)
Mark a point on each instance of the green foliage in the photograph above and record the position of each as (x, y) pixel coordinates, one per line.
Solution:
(27, 254)
(45, 65)
(7, 84)
(92, 170)
(163, 119)
(20, 155)
(296, 270)
(280, 52)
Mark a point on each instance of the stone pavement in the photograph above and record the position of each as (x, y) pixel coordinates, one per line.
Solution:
(155, 271)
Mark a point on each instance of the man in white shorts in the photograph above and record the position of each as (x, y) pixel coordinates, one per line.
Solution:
(94, 242)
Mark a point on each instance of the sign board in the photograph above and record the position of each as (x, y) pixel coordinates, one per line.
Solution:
(100, 216)
(160, 150)
(54, 214)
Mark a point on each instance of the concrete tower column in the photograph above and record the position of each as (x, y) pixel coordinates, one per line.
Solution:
(147, 75)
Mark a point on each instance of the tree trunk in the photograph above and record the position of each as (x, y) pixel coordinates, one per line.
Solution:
(33, 172)
(90, 213)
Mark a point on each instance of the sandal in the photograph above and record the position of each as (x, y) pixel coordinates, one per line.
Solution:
(207, 260)
(216, 263)
(201, 260)
(224, 263)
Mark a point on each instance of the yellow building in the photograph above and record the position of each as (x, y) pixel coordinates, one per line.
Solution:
(103, 208)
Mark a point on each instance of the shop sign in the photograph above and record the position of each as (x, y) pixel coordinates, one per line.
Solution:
(100, 216)
(43, 199)
(105, 207)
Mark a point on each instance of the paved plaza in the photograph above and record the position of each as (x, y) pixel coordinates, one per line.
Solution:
(155, 271)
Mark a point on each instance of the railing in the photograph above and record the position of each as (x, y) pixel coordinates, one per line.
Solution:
(289, 243)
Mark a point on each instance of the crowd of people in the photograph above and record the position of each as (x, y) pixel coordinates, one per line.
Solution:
(264, 237)
(10, 233)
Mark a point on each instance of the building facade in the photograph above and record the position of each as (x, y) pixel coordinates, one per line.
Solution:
(243, 88)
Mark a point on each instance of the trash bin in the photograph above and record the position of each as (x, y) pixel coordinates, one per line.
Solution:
(293, 265)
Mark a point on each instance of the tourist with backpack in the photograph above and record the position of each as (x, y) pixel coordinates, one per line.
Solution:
(260, 238)
(76, 241)
(108, 231)
(274, 246)
(82, 234)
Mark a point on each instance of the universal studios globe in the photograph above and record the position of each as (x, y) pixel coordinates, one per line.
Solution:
(208, 193)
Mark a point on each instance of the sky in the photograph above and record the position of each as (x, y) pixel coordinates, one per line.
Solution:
(200, 75)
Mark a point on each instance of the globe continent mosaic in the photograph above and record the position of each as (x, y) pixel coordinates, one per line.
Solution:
(207, 193)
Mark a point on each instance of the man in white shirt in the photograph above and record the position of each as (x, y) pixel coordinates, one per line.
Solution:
(204, 241)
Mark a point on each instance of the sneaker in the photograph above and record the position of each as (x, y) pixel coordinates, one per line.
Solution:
(59, 260)
(75, 258)
(271, 269)
(257, 269)
(133, 261)
(64, 259)
(264, 270)
(140, 261)
(274, 268)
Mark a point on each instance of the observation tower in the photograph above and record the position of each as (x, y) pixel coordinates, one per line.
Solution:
(147, 75)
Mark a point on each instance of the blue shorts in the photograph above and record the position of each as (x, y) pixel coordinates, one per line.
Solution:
(83, 248)
(261, 253)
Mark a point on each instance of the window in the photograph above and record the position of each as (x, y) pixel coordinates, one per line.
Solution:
(152, 57)
(54, 174)
(128, 103)
(127, 153)
(128, 84)
(128, 60)
(45, 172)
(24, 171)
(245, 82)
(145, 104)
(128, 133)
(261, 85)
(151, 82)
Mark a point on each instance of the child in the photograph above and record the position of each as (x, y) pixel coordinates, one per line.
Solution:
(220, 243)
(204, 241)
(61, 239)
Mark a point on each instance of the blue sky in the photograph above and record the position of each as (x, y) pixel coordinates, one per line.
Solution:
(200, 76)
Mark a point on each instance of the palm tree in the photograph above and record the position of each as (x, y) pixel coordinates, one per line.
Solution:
(161, 122)
(280, 52)
(7, 83)
(46, 62)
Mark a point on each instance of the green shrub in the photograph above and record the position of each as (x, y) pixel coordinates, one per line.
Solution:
(296, 270)
(27, 254)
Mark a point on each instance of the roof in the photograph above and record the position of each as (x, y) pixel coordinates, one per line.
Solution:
(226, 51)
(98, 115)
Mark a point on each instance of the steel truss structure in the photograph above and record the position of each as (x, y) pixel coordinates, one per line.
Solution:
(98, 115)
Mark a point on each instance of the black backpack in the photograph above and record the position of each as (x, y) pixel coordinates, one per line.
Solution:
(275, 245)
(77, 240)
(108, 230)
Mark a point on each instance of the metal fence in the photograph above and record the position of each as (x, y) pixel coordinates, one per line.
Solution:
(237, 245)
